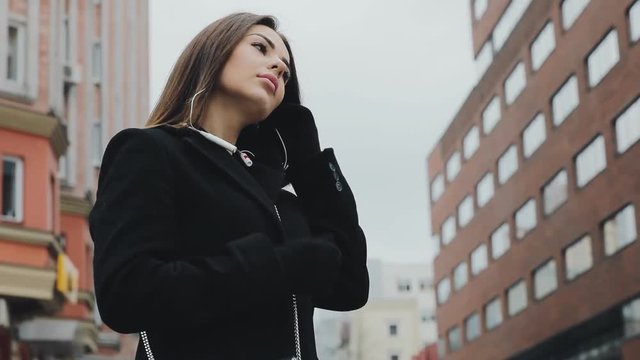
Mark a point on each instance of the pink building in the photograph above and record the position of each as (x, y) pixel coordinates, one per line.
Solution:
(72, 74)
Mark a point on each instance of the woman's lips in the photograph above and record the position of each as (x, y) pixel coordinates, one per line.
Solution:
(272, 80)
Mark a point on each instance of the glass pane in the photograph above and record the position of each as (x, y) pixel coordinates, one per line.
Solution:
(565, 100)
(485, 190)
(460, 276)
(515, 83)
(508, 22)
(491, 115)
(543, 46)
(545, 280)
(448, 230)
(9, 184)
(472, 327)
(444, 290)
(534, 135)
(605, 56)
(12, 53)
(591, 161)
(500, 241)
(620, 231)
(634, 21)
(493, 314)
(555, 192)
(453, 166)
(578, 258)
(517, 298)
(526, 218)
(484, 59)
(465, 211)
(479, 259)
(507, 164)
(628, 127)
(571, 10)
(455, 340)
(471, 142)
(437, 188)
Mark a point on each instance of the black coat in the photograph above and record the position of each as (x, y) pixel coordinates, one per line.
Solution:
(184, 246)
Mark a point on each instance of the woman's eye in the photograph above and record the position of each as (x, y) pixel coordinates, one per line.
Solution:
(261, 47)
(286, 76)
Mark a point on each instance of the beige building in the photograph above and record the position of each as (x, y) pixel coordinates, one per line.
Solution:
(72, 74)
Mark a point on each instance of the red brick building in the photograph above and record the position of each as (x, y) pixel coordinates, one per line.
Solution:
(72, 73)
(535, 186)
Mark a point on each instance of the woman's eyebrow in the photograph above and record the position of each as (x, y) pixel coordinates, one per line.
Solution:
(273, 46)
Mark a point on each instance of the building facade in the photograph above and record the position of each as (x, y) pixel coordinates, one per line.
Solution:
(534, 186)
(72, 74)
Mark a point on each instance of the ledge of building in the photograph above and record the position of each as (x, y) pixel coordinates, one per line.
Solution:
(29, 236)
(27, 282)
(36, 124)
(74, 205)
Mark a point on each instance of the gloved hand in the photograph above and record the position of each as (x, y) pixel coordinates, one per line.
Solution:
(311, 265)
(298, 129)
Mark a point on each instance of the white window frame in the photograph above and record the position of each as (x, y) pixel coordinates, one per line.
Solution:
(543, 46)
(531, 141)
(603, 58)
(546, 271)
(26, 88)
(485, 190)
(515, 83)
(561, 105)
(555, 192)
(18, 200)
(591, 161)
(522, 212)
(582, 247)
(496, 238)
(627, 126)
(491, 115)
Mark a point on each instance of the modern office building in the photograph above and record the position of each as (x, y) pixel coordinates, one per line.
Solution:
(535, 186)
(72, 73)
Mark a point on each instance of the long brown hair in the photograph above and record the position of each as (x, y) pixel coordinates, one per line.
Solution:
(200, 65)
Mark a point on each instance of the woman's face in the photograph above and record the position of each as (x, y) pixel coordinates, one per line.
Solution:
(256, 72)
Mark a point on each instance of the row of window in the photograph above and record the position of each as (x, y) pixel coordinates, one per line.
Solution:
(599, 62)
(589, 162)
(618, 231)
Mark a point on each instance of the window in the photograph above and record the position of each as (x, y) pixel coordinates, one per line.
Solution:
(444, 290)
(455, 340)
(16, 51)
(453, 166)
(634, 22)
(484, 58)
(628, 126)
(472, 327)
(465, 211)
(544, 279)
(507, 164)
(554, 193)
(460, 276)
(620, 230)
(404, 285)
(526, 218)
(479, 8)
(508, 22)
(437, 187)
(565, 101)
(591, 161)
(471, 142)
(485, 190)
(571, 9)
(603, 58)
(97, 142)
(631, 316)
(517, 298)
(500, 241)
(578, 258)
(96, 61)
(534, 135)
(393, 329)
(12, 188)
(491, 115)
(479, 259)
(493, 314)
(543, 46)
(448, 230)
(515, 83)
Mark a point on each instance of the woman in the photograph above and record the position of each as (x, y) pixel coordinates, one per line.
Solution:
(197, 244)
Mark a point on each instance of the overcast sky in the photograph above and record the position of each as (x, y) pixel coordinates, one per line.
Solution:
(383, 79)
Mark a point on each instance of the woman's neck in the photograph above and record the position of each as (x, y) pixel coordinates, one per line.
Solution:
(224, 120)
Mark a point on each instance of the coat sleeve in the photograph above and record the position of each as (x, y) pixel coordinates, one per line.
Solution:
(140, 281)
(329, 206)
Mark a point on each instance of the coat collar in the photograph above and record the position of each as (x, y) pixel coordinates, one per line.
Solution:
(219, 157)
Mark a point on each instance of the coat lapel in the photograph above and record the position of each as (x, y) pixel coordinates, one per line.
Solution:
(232, 168)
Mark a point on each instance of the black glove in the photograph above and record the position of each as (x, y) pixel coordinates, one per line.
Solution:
(298, 129)
(311, 265)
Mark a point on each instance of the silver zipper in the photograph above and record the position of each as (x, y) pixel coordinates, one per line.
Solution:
(296, 326)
